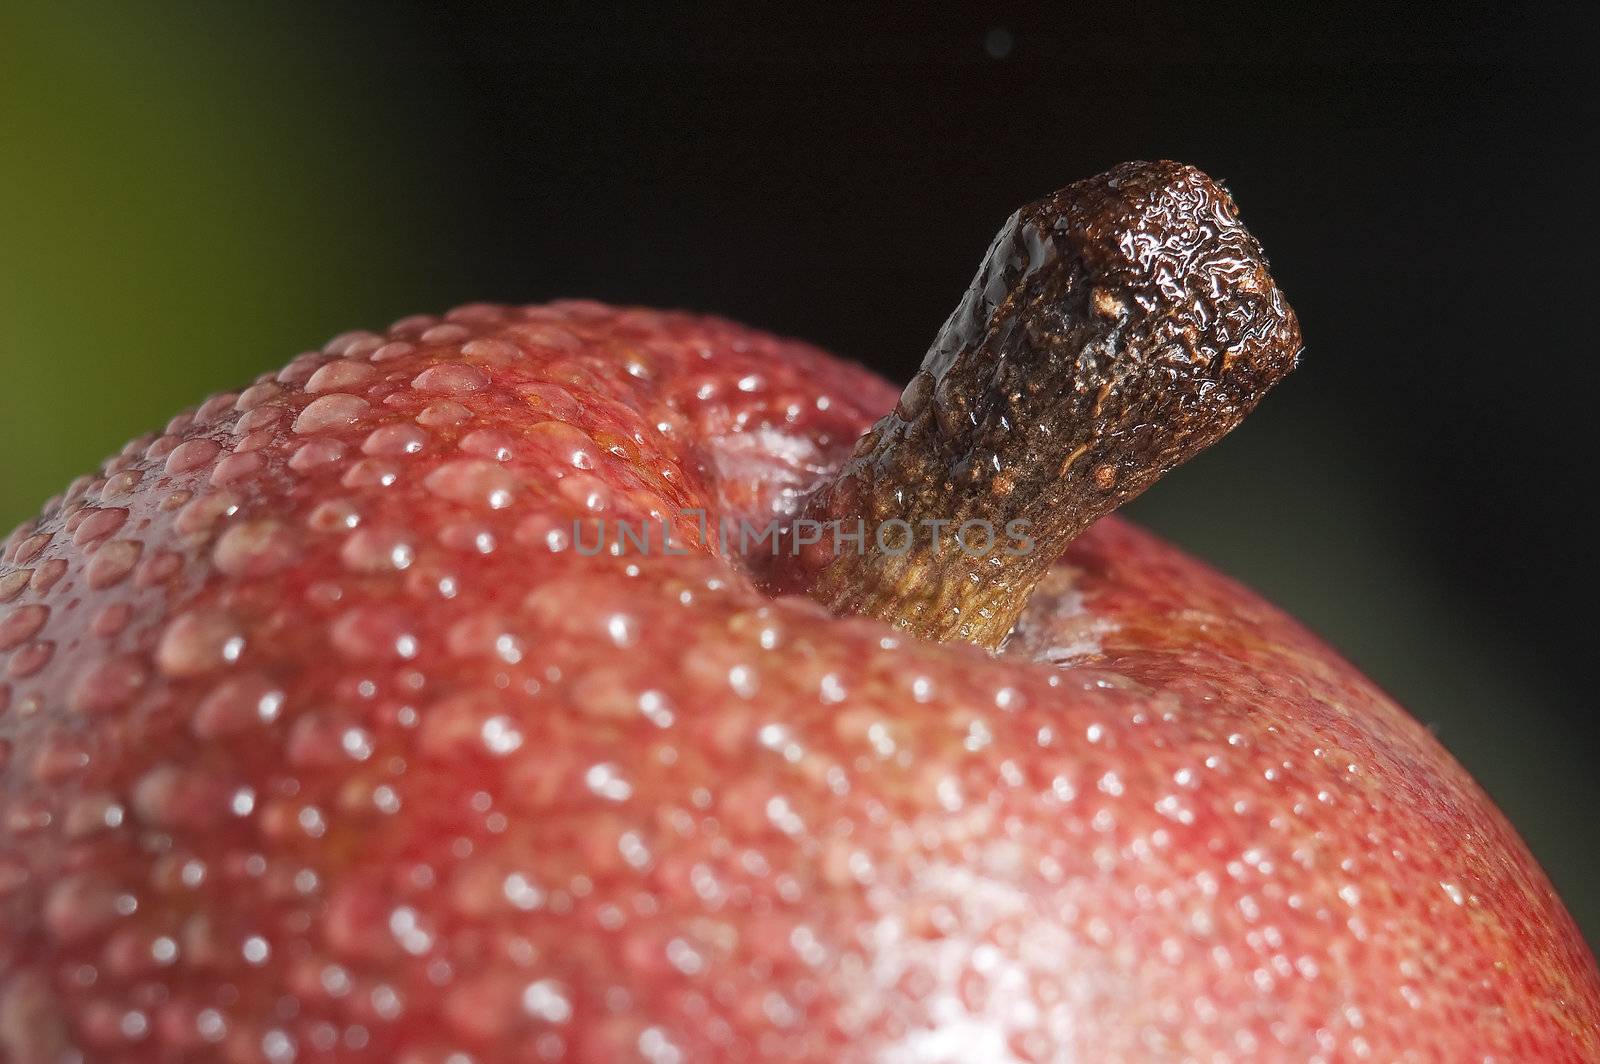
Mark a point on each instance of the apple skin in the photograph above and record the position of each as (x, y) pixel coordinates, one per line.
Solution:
(322, 741)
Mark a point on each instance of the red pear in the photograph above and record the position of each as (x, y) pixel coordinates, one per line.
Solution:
(498, 688)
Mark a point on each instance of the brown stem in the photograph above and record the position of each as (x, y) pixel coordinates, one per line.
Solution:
(1115, 329)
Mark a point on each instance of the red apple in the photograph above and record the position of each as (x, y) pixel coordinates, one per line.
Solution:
(326, 735)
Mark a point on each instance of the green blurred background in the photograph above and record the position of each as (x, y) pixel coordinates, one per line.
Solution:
(190, 193)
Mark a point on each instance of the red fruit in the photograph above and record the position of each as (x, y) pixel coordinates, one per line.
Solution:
(322, 740)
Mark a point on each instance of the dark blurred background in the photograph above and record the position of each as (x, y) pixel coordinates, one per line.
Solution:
(192, 192)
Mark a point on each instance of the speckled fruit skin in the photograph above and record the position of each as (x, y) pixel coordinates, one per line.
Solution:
(321, 741)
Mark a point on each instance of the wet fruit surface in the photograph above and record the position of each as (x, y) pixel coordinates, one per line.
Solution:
(321, 738)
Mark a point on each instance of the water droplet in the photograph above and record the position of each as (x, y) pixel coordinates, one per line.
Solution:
(254, 548)
(256, 950)
(451, 378)
(407, 928)
(316, 454)
(604, 780)
(259, 419)
(386, 1001)
(547, 1000)
(242, 464)
(500, 735)
(110, 621)
(120, 484)
(333, 515)
(623, 629)
(255, 396)
(743, 680)
(30, 658)
(93, 814)
(392, 441)
(108, 686)
(99, 524)
(391, 352)
(473, 481)
(376, 550)
(372, 633)
(336, 410)
(565, 444)
(199, 641)
(170, 796)
(22, 624)
(47, 575)
(199, 516)
(340, 375)
(210, 1025)
(468, 536)
(192, 455)
(11, 584)
(157, 569)
(685, 957)
(112, 563)
(371, 473)
(444, 414)
(80, 906)
(444, 334)
(492, 352)
(493, 444)
(29, 548)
